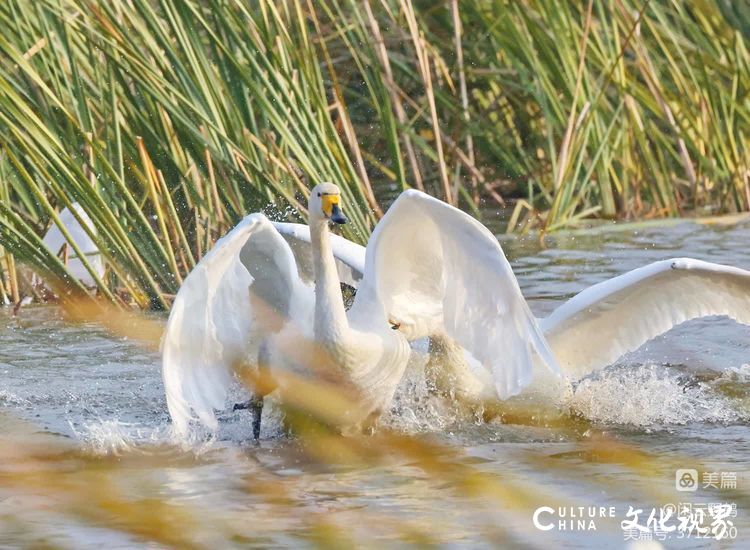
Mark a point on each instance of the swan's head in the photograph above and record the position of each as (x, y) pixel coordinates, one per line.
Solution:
(324, 203)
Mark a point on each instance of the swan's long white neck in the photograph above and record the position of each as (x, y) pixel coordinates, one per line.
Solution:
(330, 315)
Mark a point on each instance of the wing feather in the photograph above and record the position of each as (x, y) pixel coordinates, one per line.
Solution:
(611, 318)
(435, 270)
(216, 323)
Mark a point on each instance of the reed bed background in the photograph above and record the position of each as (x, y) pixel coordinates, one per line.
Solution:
(167, 121)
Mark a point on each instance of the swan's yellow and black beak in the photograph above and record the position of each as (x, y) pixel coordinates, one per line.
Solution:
(337, 216)
(332, 210)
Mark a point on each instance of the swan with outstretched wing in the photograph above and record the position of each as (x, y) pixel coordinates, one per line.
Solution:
(262, 299)
(609, 319)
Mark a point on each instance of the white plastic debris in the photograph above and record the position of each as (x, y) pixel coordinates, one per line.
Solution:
(54, 240)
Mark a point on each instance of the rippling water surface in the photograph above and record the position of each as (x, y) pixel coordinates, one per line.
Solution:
(86, 457)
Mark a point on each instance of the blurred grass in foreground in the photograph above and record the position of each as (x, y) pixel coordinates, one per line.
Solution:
(168, 121)
(46, 478)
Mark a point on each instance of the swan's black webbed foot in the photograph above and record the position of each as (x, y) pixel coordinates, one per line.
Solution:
(255, 405)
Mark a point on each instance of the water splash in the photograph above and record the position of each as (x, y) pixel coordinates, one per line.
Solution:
(737, 374)
(636, 396)
(417, 406)
(11, 399)
(650, 396)
(113, 437)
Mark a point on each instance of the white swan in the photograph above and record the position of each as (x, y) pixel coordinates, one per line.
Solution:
(609, 319)
(594, 328)
(257, 300)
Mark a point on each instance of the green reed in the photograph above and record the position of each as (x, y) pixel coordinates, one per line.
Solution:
(168, 121)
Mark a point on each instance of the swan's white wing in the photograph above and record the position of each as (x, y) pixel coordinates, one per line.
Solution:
(435, 270)
(243, 289)
(54, 240)
(595, 327)
(350, 257)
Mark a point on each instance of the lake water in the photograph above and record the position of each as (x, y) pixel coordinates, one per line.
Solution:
(86, 457)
